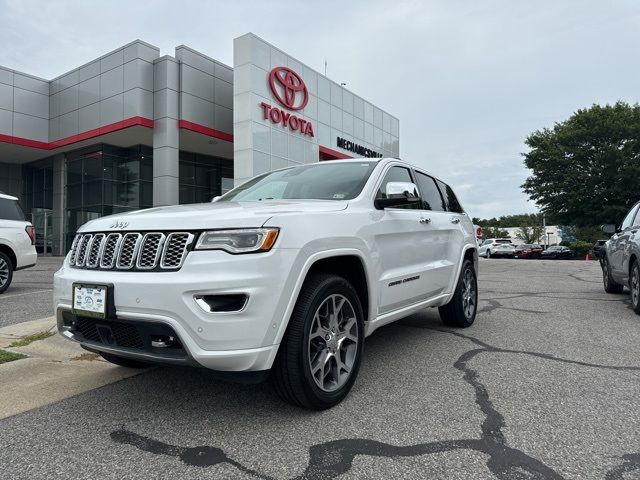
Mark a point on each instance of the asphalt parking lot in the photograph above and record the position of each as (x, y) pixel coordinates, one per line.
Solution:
(545, 384)
(29, 296)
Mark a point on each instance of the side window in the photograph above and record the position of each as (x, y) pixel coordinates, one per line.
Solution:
(628, 220)
(10, 210)
(396, 174)
(450, 198)
(431, 199)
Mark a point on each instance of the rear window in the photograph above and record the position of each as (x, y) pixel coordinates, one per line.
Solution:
(503, 240)
(10, 210)
(450, 198)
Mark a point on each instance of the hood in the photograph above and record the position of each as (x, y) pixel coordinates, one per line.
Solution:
(200, 216)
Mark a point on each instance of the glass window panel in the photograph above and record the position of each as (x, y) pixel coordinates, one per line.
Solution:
(74, 196)
(146, 194)
(92, 193)
(74, 172)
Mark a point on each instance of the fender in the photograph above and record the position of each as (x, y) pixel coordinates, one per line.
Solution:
(303, 275)
(456, 277)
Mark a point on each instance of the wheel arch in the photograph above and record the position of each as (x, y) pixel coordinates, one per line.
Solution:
(349, 260)
(6, 249)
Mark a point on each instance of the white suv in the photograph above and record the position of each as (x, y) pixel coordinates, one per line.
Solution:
(289, 272)
(17, 240)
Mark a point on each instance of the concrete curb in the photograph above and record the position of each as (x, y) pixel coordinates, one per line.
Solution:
(54, 370)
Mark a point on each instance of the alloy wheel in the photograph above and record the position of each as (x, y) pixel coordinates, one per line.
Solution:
(333, 343)
(469, 297)
(4, 272)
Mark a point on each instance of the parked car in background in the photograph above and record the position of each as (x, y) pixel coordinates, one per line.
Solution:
(17, 240)
(620, 257)
(288, 272)
(597, 247)
(556, 252)
(496, 247)
(528, 250)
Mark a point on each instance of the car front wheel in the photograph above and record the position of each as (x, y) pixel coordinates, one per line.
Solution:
(610, 285)
(461, 310)
(320, 355)
(634, 285)
(6, 272)
(488, 253)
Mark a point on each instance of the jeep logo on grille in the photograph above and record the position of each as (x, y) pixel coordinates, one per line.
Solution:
(119, 224)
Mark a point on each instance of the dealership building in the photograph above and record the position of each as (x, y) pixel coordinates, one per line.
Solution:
(133, 129)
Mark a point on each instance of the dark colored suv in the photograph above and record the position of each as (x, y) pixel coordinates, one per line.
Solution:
(620, 257)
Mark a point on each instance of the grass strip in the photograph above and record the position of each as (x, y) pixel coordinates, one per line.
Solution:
(24, 341)
(6, 357)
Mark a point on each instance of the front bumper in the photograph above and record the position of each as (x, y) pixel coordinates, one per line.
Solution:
(231, 341)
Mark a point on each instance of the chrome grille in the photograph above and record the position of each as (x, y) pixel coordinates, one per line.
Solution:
(74, 249)
(150, 251)
(93, 255)
(175, 249)
(83, 245)
(111, 246)
(130, 250)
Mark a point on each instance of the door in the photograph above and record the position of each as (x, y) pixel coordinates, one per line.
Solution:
(619, 245)
(444, 238)
(401, 242)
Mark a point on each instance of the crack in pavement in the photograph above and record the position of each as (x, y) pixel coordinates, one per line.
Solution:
(334, 458)
(495, 305)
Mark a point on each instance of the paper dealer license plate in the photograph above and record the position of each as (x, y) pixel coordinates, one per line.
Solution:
(90, 300)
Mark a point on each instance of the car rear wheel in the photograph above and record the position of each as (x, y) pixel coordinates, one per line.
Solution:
(123, 361)
(610, 285)
(6, 272)
(320, 355)
(634, 285)
(461, 310)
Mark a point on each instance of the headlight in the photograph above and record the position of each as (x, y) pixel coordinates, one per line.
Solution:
(242, 240)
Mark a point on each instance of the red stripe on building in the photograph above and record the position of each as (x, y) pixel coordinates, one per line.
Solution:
(96, 132)
(210, 132)
(333, 153)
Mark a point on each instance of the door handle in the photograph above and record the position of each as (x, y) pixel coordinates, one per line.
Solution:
(455, 220)
(425, 220)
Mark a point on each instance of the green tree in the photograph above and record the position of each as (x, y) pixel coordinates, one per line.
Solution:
(494, 232)
(531, 234)
(586, 170)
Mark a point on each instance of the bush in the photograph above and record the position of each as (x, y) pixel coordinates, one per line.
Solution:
(580, 249)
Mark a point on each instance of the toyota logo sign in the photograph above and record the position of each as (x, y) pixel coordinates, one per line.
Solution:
(288, 88)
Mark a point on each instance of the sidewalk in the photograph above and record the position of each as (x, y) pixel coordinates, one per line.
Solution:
(54, 370)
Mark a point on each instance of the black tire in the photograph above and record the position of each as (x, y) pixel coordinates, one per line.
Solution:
(634, 286)
(6, 272)
(454, 313)
(291, 375)
(610, 285)
(123, 361)
(488, 253)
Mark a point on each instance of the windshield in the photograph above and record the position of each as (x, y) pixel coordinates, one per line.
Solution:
(334, 181)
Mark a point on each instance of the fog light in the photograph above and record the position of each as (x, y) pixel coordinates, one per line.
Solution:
(162, 341)
(221, 303)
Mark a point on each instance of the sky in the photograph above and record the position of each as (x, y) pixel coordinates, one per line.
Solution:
(469, 80)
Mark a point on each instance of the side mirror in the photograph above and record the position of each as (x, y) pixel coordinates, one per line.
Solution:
(215, 199)
(398, 193)
(609, 228)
